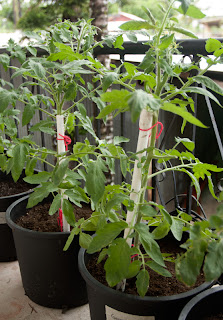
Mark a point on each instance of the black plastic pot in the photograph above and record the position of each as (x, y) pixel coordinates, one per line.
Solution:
(108, 304)
(207, 303)
(7, 247)
(50, 275)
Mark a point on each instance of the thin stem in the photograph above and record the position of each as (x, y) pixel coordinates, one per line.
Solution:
(48, 113)
(42, 160)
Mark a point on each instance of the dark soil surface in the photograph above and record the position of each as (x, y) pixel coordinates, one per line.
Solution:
(38, 218)
(8, 187)
(159, 285)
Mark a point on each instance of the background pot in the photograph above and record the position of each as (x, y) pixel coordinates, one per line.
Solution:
(206, 303)
(7, 247)
(50, 275)
(108, 304)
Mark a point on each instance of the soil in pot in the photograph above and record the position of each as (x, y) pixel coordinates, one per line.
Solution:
(159, 285)
(9, 187)
(38, 218)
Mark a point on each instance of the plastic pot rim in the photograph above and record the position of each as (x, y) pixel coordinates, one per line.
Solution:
(30, 233)
(94, 283)
(189, 306)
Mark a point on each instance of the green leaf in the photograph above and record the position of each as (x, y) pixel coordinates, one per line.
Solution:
(149, 244)
(185, 5)
(147, 211)
(106, 235)
(117, 99)
(157, 268)
(142, 282)
(71, 92)
(195, 182)
(102, 255)
(147, 62)
(5, 60)
(136, 25)
(177, 228)
(139, 100)
(118, 140)
(183, 31)
(118, 261)
(85, 240)
(189, 265)
(190, 145)
(108, 79)
(183, 113)
(55, 205)
(70, 238)
(116, 200)
(38, 178)
(212, 45)
(6, 98)
(161, 230)
(95, 179)
(59, 172)
(134, 269)
(38, 69)
(193, 12)
(68, 212)
(40, 193)
(166, 42)
(119, 42)
(19, 154)
(209, 83)
(28, 114)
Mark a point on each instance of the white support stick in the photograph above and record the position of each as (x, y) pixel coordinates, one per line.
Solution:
(145, 122)
(61, 148)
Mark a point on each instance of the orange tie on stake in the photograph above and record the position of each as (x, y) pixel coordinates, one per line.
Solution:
(156, 124)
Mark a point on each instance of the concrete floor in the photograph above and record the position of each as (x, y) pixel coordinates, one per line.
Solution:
(15, 305)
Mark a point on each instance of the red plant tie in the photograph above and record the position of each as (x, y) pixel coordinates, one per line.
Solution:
(135, 255)
(67, 140)
(60, 220)
(156, 124)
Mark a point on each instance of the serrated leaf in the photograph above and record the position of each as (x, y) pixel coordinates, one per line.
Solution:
(142, 282)
(185, 5)
(104, 236)
(147, 211)
(56, 204)
(195, 182)
(161, 230)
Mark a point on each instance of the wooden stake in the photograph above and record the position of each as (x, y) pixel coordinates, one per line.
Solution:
(60, 149)
(145, 122)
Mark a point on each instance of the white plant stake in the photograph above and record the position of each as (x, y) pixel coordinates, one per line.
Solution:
(61, 148)
(145, 122)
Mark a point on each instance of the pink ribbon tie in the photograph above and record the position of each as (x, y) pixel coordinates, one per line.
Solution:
(66, 139)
